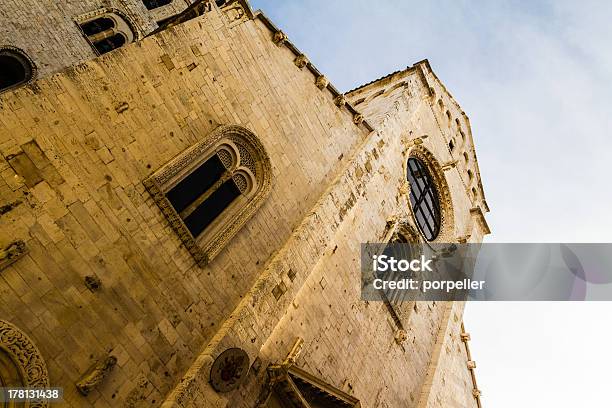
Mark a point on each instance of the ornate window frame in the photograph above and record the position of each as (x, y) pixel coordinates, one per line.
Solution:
(124, 26)
(26, 357)
(242, 152)
(25, 60)
(447, 218)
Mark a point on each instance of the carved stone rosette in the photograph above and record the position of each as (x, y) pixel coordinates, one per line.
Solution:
(26, 357)
(357, 118)
(96, 374)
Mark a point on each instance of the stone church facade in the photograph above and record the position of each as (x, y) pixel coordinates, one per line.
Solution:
(182, 200)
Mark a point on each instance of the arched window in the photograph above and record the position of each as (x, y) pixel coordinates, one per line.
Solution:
(107, 32)
(21, 364)
(212, 187)
(153, 4)
(424, 199)
(15, 68)
(209, 191)
(98, 25)
(110, 43)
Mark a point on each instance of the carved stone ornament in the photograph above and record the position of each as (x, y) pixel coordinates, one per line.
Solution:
(321, 82)
(340, 101)
(26, 357)
(208, 245)
(234, 11)
(96, 374)
(357, 118)
(12, 252)
(279, 38)
(229, 370)
(301, 61)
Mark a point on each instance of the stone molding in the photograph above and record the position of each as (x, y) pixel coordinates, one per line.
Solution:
(26, 356)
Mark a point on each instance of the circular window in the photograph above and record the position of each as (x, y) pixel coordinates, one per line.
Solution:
(15, 69)
(424, 199)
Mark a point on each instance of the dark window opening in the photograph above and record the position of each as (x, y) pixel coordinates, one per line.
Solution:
(196, 184)
(153, 4)
(451, 145)
(15, 69)
(110, 43)
(97, 26)
(212, 207)
(315, 397)
(424, 199)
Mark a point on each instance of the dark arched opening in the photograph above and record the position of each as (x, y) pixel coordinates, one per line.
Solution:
(15, 69)
(153, 4)
(424, 199)
(97, 26)
(110, 43)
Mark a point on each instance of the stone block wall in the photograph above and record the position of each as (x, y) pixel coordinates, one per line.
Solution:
(49, 34)
(75, 148)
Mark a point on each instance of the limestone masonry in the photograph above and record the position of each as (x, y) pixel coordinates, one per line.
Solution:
(124, 284)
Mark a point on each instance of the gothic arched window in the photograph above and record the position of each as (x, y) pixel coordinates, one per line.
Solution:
(209, 191)
(15, 68)
(153, 4)
(107, 32)
(424, 199)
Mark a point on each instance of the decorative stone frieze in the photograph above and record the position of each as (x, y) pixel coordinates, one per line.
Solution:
(26, 357)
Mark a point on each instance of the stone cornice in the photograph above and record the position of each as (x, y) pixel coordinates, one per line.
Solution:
(282, 40)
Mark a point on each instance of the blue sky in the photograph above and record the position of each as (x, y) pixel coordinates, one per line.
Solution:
(535, 78)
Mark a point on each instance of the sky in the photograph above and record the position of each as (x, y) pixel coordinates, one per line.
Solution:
(535, 78)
